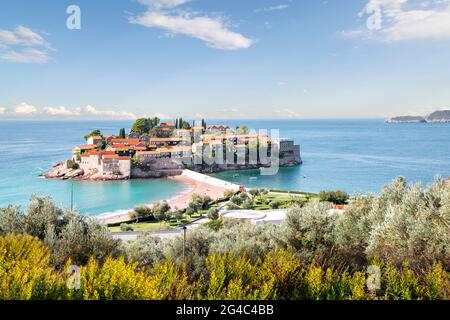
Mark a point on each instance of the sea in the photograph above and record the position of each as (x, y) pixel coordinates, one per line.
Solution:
(358, 156)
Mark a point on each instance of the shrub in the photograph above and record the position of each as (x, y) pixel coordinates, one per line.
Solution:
(247, 204)
(114, 280)
(126, 227)
(229, 193)
(213, 214)
(236, 278)
(146, 250)
(239, 198)
(275, 204)
(336, 197)
(255, 192)
(66, 233)
(308, 231)
(199, 202)
(214, 225)
(25, 272)
(245, 239)
(11, 220)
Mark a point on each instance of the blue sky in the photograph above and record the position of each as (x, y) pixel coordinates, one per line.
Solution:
(224, 58)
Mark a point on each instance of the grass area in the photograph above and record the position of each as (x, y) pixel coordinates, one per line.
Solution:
(155, 225)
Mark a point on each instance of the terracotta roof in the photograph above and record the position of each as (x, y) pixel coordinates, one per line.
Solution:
(97, 153)
(143, 153)
(88, 147)
(167, 139)
(167, 124)
(106, 157)
(126, 141)
(176, 149)
(122, 147)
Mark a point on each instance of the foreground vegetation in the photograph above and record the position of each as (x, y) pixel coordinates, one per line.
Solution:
(28, 274)
(315, 254)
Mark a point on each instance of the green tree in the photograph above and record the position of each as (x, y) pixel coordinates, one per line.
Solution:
(96, 132)
(161, 210)
(242, 130)
(122, 134)
(337, 197)
(141, 212)
(145, 125)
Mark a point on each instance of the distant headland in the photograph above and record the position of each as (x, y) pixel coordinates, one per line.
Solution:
(435, 117)
(154, 149)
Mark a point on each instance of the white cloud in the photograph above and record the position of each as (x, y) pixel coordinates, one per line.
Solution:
(273, 8)
(213, 31)
(402, 20)
(23, 45)
(163, 3)
(61, 111)
(27, 55)
(163, 116)
(25, 108)
(90, 110)
(21, 36)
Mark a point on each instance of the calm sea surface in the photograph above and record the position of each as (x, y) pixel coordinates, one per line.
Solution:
(354, 155)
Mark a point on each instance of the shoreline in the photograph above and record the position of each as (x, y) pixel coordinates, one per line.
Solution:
(206, 186)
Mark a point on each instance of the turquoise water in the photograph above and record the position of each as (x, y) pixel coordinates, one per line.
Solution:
(354, 155)
(29, 148)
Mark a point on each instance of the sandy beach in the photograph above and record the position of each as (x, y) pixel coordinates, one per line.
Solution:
(207, 186)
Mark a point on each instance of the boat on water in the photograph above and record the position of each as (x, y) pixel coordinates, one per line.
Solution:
(253, 178)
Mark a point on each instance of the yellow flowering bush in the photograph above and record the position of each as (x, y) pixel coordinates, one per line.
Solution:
(25, 272)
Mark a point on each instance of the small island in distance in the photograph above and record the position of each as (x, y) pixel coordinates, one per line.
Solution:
(435, 117)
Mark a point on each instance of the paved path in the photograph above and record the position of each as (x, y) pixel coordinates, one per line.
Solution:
(163, 234)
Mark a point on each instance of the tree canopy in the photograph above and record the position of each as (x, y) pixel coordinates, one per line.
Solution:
(96, 132)
(145, 125)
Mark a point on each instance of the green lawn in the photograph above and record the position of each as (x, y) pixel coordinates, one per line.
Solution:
(154, 225)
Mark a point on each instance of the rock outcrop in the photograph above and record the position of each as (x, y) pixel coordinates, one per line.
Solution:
(60, 171)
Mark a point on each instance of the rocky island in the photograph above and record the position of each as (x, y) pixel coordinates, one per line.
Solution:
(435, 117)
(153, 150)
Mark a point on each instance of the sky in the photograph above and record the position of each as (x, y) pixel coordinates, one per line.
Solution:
(223, 59)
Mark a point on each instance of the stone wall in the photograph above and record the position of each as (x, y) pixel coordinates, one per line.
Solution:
(156, 168)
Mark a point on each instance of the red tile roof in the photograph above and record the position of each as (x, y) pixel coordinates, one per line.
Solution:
(88, 147)
(167, 124)
(125, 141)
(115, 156)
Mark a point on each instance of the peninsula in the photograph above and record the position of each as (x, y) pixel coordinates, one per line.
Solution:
(435, 117)
(154, 149)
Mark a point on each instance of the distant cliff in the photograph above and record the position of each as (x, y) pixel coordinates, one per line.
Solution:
(407, 119)
(437, 116)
